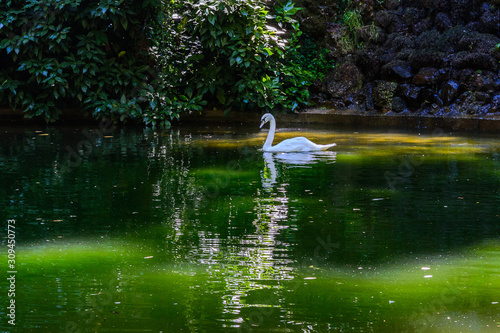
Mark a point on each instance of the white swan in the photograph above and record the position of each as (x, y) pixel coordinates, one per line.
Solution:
(298, 144)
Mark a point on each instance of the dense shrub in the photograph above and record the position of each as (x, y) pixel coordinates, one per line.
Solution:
(74, 54)
(151, 60)
(225, 54)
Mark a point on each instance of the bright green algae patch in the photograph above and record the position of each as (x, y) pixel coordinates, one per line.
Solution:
(436, 293)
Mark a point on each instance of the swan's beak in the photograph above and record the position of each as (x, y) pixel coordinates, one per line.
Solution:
(262, 123)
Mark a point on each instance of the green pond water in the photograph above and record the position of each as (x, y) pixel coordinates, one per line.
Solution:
(196, 230)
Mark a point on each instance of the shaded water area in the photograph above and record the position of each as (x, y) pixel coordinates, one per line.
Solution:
(196, 230)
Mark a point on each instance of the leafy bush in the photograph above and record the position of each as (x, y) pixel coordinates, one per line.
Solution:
(151, 60)
(224, 53)
(305, 64)
(74, 54)
(221, 52)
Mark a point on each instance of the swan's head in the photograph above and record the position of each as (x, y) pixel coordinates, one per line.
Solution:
(266, 118)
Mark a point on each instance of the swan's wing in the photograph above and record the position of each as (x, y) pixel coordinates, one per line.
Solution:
(298, 144)
(293, 145)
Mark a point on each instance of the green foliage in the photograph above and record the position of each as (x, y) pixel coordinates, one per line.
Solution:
(74, 54)
(304, 64)
(224, 53)
(152, 60)
(221, 52)
(352, 20)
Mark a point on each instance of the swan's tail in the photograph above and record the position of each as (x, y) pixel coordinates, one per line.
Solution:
(325, 147)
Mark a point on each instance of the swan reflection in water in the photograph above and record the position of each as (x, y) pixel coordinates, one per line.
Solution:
(256, 273)
(292, 160)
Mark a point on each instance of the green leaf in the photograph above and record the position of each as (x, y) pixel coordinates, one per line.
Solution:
(101, 38)
(124, 22)
(221, 96)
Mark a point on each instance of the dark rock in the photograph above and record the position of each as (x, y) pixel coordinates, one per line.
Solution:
(383, 18)
(369, 62)
(426, 96)
(478, 42)
(404, 54)
(438, 101)
(314, 26)
(495, 104)
(386, 57)
(448, 40)
(427, 4)
(454, 74)
(442, 21)
(344, 79)
(397, 69)
(397, 42)
(398, 104)
(473, 26)
(351, 102)
(319, 98)
(410, 93)
(469, 103)
(460, 11)
(449, 92)
(489, 19)
(422, 26)
(397, 25)
(483, 81)
(383, 94)
(403, 72)
(434, 41)
(367, 93)
(478, 80)
(391, 4)
(482, 96)
(476, 60)
(412, 16)
(389, 20)
(465, 76)
(442, 5)
(426, 58)
(429, 75)
(474, 108)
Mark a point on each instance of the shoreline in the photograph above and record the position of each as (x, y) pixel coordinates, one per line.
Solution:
(330, 117)
(327, 117)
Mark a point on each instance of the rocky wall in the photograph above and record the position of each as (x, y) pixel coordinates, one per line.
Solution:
(411, 56)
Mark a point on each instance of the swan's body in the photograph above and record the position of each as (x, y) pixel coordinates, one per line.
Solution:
(298, 144)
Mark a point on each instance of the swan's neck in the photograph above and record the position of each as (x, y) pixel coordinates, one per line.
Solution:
(270, 135)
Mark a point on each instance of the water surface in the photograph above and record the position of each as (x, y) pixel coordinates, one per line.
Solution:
(196, 230)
